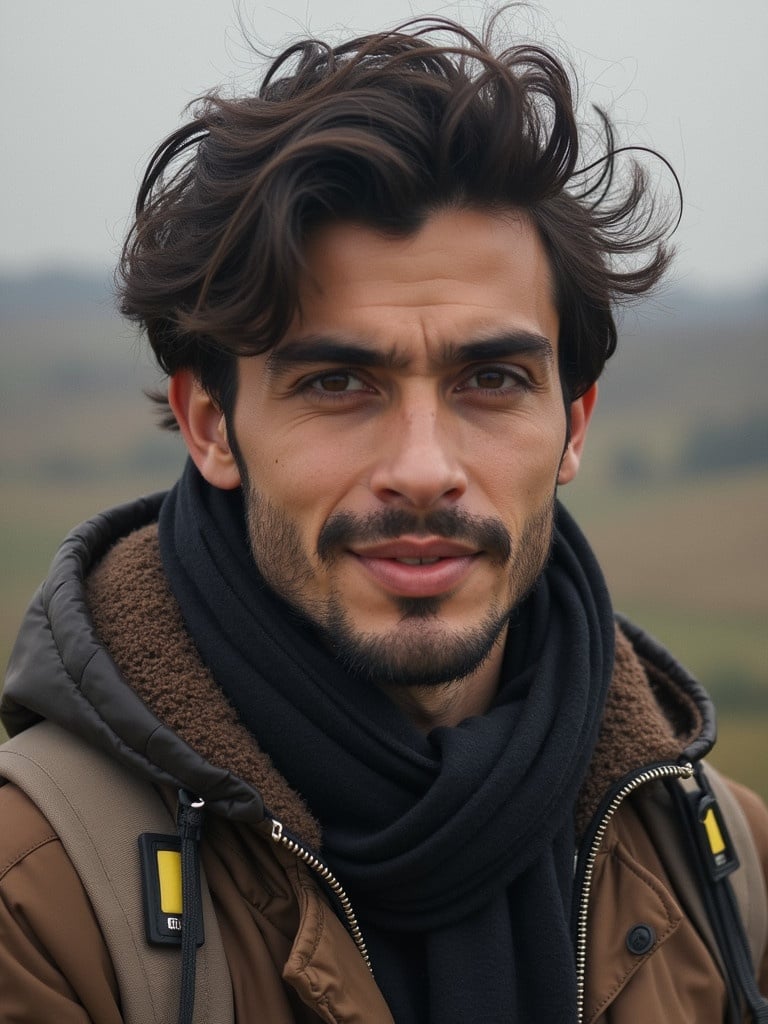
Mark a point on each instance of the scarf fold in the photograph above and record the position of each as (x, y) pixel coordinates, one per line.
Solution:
(456, 848)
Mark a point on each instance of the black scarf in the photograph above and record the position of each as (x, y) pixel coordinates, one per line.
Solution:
(456, 848)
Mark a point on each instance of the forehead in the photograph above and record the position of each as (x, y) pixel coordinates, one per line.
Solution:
(463, 273)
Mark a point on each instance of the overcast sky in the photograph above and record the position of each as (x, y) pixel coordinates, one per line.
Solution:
(89, 87)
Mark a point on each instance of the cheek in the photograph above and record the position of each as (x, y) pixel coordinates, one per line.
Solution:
(527, 464)
(307, 483)
(524, 496)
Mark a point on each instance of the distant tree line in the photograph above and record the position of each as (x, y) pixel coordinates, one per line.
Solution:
(710, 448)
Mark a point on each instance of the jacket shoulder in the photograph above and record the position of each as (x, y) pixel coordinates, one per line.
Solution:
(53, 961)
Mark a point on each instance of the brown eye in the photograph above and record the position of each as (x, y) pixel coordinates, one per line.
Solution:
(334, 382)
(490, 379)
(496, 380)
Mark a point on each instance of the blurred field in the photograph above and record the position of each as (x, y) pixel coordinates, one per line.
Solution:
(741, 749)
(681, 537)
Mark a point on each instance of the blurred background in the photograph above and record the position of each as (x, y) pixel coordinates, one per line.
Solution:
(673, 492)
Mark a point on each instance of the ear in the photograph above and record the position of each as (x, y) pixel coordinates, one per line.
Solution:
(580, 413)
(204, 429)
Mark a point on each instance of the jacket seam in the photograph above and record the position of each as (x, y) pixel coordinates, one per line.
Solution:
(49, 628)
(9, 865)
(305, 884)
(318, 931)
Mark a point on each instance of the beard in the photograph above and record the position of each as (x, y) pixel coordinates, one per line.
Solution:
(421, 649)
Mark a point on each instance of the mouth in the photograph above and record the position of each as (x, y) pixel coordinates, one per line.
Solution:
(416, 549)
(418, 567)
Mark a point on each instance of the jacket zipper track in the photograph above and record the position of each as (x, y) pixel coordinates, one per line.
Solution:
(321, 869)
(663, 771)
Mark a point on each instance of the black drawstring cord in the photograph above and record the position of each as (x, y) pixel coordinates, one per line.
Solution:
(189, 822)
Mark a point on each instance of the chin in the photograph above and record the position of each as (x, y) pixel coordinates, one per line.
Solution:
(420, 651)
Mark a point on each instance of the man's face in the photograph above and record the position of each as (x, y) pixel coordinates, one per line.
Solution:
(400, 447)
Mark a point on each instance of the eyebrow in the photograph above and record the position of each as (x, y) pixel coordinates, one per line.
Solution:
(500, 346)
(333, 350)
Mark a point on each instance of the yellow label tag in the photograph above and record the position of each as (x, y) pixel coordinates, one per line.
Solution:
(169, 873)
(714, 835)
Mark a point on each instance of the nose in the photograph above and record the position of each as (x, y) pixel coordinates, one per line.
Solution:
(417, 463)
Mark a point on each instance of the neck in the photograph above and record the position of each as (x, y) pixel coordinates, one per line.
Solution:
(449, 703)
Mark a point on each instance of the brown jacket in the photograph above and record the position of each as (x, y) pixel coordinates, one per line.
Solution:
(291, 959)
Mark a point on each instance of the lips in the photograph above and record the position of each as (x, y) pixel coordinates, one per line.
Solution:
(416, 547)
(417, 567)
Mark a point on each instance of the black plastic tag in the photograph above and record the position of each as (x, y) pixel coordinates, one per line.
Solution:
(160, 858)
(714, 839)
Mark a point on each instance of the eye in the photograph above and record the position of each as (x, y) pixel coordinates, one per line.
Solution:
(336, 382)
(491, 379)
(342, 386)
(499, 379)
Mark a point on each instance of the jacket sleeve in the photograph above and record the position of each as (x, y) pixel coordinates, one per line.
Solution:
(54, 965)
(756, 813)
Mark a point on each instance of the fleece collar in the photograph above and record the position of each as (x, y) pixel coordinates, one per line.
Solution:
(649, 716)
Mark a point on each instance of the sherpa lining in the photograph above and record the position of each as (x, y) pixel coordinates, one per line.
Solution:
(140, 623)
(635, 731)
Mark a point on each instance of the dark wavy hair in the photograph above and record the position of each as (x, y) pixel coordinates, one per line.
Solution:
(384, 129)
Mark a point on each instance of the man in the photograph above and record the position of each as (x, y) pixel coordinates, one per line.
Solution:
(360, 630)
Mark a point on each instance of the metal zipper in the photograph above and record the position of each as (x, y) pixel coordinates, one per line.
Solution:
(313, 862)
(665, 771)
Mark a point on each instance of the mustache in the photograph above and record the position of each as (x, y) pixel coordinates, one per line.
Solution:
(483, 532)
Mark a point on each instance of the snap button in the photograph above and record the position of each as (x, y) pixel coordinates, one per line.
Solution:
(640, 938)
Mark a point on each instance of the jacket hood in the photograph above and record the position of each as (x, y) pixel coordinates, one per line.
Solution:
(103, 652)
(61, 670)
